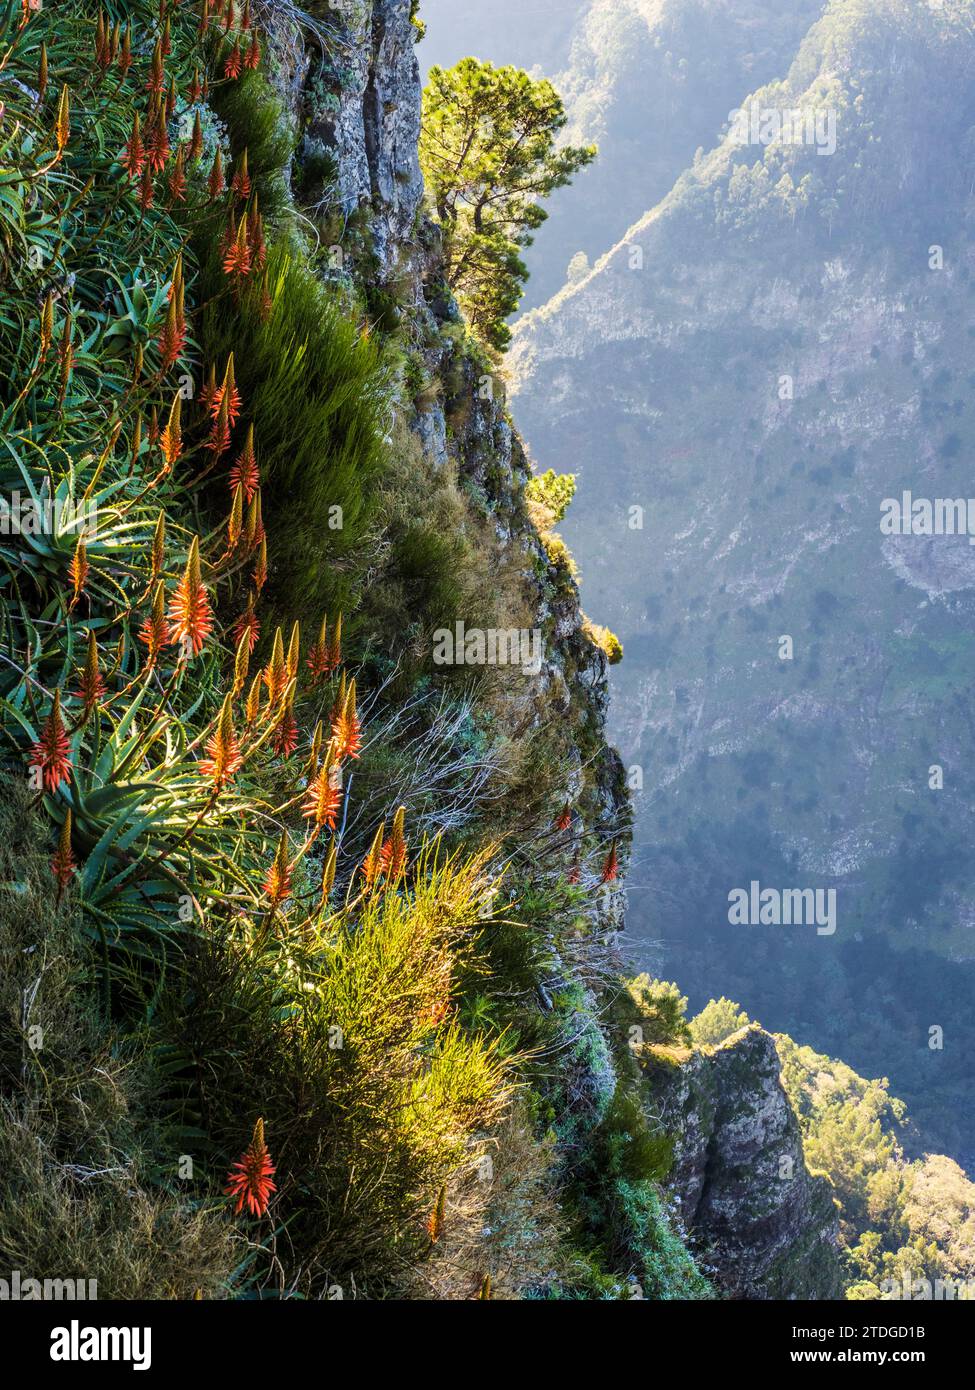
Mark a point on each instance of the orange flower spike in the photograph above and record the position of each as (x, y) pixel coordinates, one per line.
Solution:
(166, 44)
(372, 865)
(47, 324)
(437, 1219)
(125, 55)
(338, 704)
(102, 58)
(277, 884)
(252, 57)
(157, 75)
(134, 154)
(258, 535)
(328, 874)
(394, 848)
(157, 551)
(78, 570)
(318, 657)
(242, 661)
(42, 75)
(157, 149)
(92, 685)
(176, 183)
(204, 21)
(275, 673)
(324, 795)
(155, 630)
(250, 1178)
(172, 338)
(218, 441)
(294, 649)
(245, 18)
(260, 564)
(237, 261)
(51, 754)
(235, 520)
(196, 140)
(565, 818)
(245, 471)
(346, 731)
(171, 96)
(62, 126)
(195, 88)
(171, 439)
(223, 750)
(611, 866)
(146, 193)
(286, 734)
(191, 620)
(233, 63)
(575, 873)
(228, 392)
(317, 739)
(63, 865)
(216, 183)
(229, 17)
(241, 181)
(252, 705)
(113, 46)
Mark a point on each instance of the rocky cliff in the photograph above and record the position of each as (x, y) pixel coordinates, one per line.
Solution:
(354, 92)
(756, 1217)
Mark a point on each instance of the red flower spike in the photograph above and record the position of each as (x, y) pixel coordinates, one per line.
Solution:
(227, 388)
(223, 750)
(155, 630)
(250, 1178)
(277, 885)
(346, 730)
(62, 865)
(248, 623)
(135, 155)
(92, 686)
(233, 63)
(191, 620)
(245, 472)
(324, 796)
(51, 754)
(611, 867)
(216, 183)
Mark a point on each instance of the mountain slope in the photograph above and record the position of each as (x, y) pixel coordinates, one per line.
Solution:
(768, 355)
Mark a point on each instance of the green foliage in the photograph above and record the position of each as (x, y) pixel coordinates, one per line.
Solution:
(898, 1219)
(659, 1008)
(489, 153)
(343, 1037)
(553, 491)
(716, 1022)
(80, 1193)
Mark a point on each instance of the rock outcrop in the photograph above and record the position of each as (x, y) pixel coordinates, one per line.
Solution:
(760, 1223)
